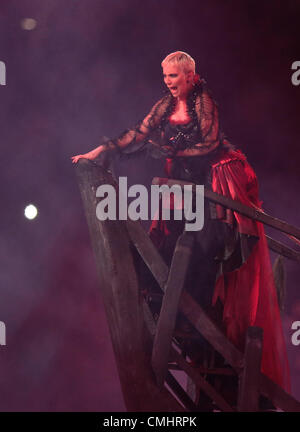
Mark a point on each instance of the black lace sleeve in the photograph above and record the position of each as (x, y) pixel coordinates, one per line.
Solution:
(132, 139)
(208, 119)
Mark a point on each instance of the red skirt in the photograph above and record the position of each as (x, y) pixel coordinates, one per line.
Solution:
(248, 293)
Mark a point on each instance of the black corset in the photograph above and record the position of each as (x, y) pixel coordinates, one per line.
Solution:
(182, 136)
(194, 168)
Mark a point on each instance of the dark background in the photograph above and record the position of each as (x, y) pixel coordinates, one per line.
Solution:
(92, 68)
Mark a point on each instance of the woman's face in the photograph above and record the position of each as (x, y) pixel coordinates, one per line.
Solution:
(178, 82)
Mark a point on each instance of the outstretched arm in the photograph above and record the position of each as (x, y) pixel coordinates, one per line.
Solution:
(93, 154)
(136, 134)
(130, 136)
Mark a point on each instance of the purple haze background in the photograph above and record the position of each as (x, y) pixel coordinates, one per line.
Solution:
(92, 68)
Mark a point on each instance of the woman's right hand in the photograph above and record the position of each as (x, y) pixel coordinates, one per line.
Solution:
(90, 155)
(75, 159)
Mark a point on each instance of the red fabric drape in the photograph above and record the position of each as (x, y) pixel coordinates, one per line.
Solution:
(248, 293)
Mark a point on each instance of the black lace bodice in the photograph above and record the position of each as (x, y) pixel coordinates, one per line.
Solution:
(202, 132)
(182, 136)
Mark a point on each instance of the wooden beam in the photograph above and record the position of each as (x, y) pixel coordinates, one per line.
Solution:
(169, 309)
(180, 393)
(205, 326)
(192, 372)
(121, 296)
(191, 309)
(193, 312)
(248, 398)
(282, 249)
(251, 212)
(148, 251)
(268, 388)
(277, 395)
(201, 382)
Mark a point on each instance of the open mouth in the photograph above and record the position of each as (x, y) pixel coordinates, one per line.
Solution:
(173, 88)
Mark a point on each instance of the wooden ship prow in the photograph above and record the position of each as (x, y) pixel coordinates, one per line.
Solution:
(149, 349)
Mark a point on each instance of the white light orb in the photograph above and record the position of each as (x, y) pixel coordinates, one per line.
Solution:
(30, 211)
(28, 23)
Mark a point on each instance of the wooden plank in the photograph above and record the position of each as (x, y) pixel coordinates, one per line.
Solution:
(191, 389)
(204, 370)
(148, 318)
(121, 296)
(195, 314)
(251, 212)
(277, 395)
(193, 311)
(192, 372)
(205, 326)
(148, 251)
(169, 309)
(294, 239)
(282, 249)
(184, 335)
(180, 393)
(268, 388)
(248, 398)
(201, 382)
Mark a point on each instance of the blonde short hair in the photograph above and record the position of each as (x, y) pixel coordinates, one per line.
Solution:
(184, 60)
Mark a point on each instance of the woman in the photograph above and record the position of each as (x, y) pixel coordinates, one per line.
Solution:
(232, 249)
